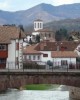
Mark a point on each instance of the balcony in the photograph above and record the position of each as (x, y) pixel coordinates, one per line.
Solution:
(3, 54)
(2, 66)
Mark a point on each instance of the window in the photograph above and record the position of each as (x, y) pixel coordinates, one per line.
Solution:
(40, 25)
(64, 62)
(2, 47)
(49, 35)
(24, 57)
(38, 57)
(16, 60)
(2, 61)
(35, 25)
(34, 57)
(29, 57)
(45, 35)
(45, 55)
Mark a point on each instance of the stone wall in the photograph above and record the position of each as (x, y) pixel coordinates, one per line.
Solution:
(3, 83)
(74, 93)
(19, 79)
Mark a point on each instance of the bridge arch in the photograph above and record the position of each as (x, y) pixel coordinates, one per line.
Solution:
(19, 79)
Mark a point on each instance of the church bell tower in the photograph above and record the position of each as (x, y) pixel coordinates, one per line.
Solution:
(38, 24)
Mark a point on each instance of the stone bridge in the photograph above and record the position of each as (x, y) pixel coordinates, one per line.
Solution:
(19, 79)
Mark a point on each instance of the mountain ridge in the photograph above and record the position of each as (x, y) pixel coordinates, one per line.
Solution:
(46, 12)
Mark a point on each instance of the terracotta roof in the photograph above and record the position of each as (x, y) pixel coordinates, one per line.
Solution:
(52, 46)
(10, 32)
(31, 50)
(63, 54)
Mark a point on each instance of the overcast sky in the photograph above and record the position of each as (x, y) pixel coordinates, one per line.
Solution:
(15, 5)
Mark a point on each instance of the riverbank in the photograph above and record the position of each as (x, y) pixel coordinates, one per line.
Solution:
(41, 87)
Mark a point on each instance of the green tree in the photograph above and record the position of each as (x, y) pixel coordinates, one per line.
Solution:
(30, 41)
(61, 34)
(70, 38)
(37, 38)
(58, 36)
(21, 27)
(49, 63)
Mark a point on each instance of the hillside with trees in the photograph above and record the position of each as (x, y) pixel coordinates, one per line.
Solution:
(68, 24)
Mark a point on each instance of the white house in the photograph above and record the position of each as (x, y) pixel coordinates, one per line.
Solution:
(30, 54)
(64, 58)
(60, 53)
(12, 38)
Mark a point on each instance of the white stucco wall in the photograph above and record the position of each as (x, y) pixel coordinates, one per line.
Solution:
(28, 38)
(11, 55)
(45, 59)
(38, 61)
(32, 59)
(35, 33)
(36, 27)
(42, 59)
(11, 51)
(57, 61)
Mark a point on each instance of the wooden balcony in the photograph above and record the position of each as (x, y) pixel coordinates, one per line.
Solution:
(2, 66)
(3, 54)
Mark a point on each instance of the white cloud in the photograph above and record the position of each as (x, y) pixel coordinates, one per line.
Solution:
(5, 4)
(60, 2)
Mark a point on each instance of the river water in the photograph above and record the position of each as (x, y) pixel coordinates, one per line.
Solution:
(34, 95)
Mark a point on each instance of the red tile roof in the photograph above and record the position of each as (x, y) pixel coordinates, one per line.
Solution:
(63, 54)
(52, 46)
(10, 32)
(31, 50)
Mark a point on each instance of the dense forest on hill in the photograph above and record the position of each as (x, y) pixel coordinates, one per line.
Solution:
(69, 24)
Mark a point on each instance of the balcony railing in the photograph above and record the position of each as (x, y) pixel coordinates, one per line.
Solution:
(34, 67)
(3, 54)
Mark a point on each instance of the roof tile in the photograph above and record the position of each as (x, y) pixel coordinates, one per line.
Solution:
(10, 32)
(63, 54)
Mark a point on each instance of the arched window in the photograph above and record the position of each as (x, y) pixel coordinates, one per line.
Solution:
(40, 25)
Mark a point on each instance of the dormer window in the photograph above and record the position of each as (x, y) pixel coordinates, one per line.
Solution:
(63, 48)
